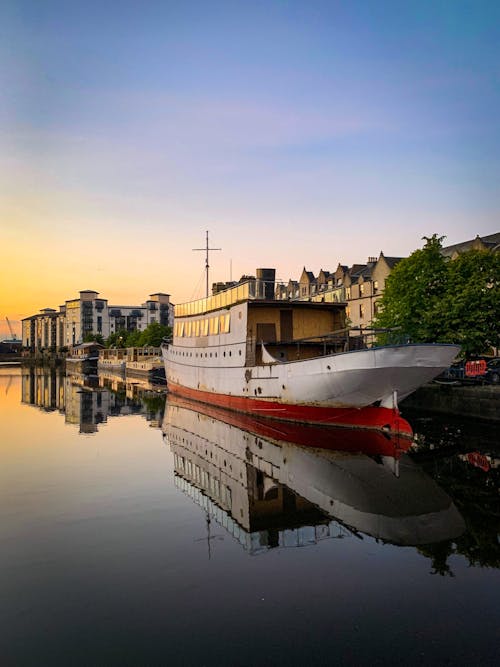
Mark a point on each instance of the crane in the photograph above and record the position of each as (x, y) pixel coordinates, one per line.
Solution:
(12, 336)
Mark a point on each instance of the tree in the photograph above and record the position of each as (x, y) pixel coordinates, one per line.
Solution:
(117, 339)
(91, 338)
(413, 292)
(472, 301)
(432, 299)
(153, 335)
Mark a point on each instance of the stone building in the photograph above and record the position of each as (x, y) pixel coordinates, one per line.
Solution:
(359, 286)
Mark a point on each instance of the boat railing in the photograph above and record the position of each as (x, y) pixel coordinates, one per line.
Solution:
(349, 339)
(223, 299)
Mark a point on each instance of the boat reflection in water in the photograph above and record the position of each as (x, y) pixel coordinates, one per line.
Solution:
(274, 484)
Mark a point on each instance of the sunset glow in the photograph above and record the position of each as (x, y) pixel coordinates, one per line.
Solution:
(296, 133)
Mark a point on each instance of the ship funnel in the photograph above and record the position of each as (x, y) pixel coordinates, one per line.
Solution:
(265, 283)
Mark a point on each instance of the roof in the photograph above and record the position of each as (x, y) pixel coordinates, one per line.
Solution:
(490, 241)
(356, 269)
(86, 345)
(392, 261)
(309, 274)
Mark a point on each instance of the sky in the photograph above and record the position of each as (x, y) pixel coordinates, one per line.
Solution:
(297, 133)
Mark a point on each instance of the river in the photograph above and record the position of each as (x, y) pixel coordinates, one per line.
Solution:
(137, 529)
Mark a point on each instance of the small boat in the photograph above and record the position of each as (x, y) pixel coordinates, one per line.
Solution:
(112, 359)
(145, 362)
(293, 360)
(84, 357)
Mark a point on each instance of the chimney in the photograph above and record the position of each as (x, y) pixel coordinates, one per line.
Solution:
(265, 283)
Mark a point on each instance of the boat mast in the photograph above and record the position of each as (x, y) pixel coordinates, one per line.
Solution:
(207, 249)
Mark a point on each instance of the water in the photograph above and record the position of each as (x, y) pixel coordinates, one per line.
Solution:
(140, 532)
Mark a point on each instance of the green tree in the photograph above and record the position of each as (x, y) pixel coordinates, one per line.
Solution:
(472, 301)
(412, 298)
(117, 339)
(97, 338)
(429, 298)
(134, 338)
(153, 335)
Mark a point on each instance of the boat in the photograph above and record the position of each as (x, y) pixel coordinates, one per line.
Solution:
(145, 362)
(293, 360)
(83, 357)
(112, 359)
(283, 484)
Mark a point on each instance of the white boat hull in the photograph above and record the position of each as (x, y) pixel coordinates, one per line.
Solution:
(348, 380)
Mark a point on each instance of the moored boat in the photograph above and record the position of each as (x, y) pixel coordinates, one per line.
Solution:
(293, 361)
(84, 357)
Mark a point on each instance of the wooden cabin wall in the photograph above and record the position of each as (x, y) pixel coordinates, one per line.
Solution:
(307, 322)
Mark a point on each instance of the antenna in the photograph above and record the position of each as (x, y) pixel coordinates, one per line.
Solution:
(206, 249)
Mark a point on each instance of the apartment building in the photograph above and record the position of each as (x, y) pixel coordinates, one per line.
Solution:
(90, 314)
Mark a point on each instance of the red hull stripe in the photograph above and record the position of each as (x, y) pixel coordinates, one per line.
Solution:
(371, 442)
(370, 417)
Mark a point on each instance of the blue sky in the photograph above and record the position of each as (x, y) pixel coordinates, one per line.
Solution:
(296, 132)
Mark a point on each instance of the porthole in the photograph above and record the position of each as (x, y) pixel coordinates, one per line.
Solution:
(239, 352)
(229, 352)
(224, 353)
(329, 368)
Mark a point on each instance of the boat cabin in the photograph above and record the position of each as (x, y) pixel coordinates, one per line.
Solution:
(234, 324)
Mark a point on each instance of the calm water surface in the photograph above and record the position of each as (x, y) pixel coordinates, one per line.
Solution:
(140, 531)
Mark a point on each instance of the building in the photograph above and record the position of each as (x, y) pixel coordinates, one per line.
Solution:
(490, 242)
(90, 314)
(359, 286)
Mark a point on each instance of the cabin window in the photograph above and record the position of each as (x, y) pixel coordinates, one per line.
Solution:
(225, 322)
(204, 327)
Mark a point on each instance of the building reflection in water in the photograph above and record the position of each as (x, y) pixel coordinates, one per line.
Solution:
(271, 484)
(88, 400)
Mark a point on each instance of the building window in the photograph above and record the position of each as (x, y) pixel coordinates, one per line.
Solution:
(348, 293)
(361, 289)
(375, 286)
(361, 311)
